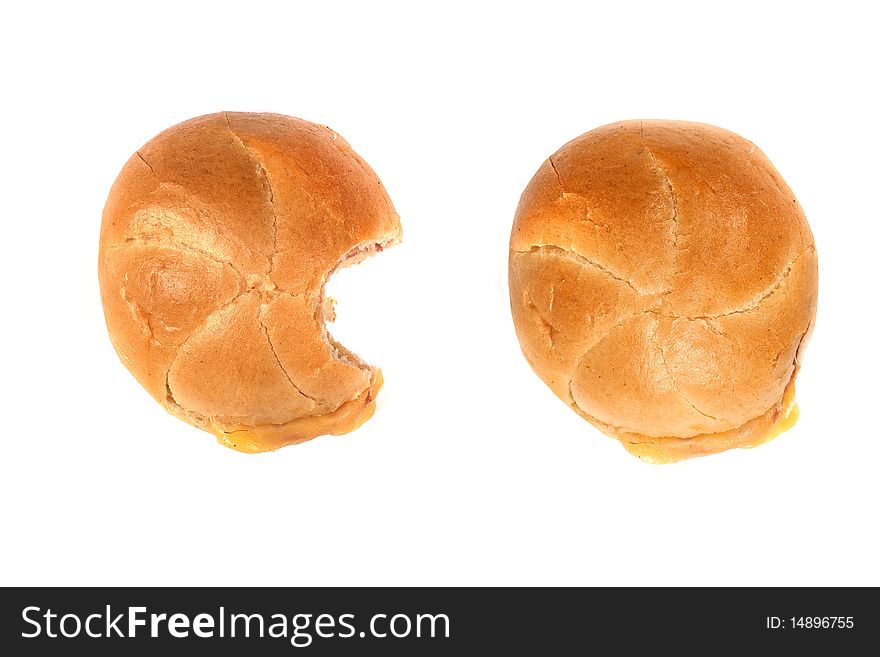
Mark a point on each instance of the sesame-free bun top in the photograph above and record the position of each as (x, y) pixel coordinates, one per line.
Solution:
(216, 242)
(663, 283)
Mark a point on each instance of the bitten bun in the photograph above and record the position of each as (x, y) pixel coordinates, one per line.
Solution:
(217, 240)
(663, 283)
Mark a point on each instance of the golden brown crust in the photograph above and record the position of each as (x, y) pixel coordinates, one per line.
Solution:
(216, 242)
(663, 279)
(780, 417)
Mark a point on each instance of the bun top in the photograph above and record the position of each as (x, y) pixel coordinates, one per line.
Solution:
(663, 276)
(216, 242)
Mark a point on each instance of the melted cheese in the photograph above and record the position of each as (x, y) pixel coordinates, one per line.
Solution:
(788, 418)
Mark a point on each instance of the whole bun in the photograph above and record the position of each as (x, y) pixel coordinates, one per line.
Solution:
(217, 240)
(663, 283)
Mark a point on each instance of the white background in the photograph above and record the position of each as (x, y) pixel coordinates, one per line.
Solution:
(471, 471)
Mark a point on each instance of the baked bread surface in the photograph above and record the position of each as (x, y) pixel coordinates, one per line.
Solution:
(663, 283)
(217, 239)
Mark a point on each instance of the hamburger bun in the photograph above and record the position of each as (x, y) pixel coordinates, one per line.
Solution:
(217, 240)
(663, 283)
